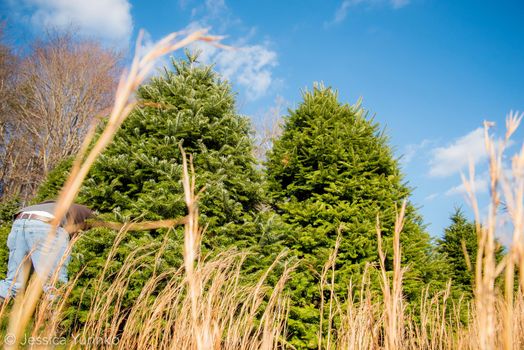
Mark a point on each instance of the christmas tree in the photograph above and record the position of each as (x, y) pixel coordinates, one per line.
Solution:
(138, 177)
(333, 171)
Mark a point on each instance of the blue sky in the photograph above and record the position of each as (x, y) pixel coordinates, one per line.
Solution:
(430, 71)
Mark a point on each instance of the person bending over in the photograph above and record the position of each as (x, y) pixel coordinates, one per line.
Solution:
(29, 239)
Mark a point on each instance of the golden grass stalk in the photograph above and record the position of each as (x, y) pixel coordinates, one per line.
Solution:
(330, 266)
(202, 329)
(393, 303)
(513, 191)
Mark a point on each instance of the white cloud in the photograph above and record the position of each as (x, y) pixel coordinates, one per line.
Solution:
(249, 66)
(449, 160)
(108, 19)
(480, 185)
(342, 11)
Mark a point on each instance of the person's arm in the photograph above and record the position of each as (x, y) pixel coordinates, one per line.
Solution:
(73, 228)
(136, 226)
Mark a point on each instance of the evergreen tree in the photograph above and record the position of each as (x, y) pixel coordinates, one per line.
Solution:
(460, 237)
(139, 176)
(8, 209)
(331, 168)
(459, 246)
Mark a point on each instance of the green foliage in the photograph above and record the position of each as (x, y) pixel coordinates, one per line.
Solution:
(139, 175)
(5, 228)
(50, 188)
(8, 208)
(332, 170)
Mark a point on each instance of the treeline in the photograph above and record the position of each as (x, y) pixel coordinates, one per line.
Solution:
(330, 175)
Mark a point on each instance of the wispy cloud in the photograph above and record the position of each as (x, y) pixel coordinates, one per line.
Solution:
(410, 151)
(248, 65)
(479, 186)
(431, 197)
(106, 19)
(216, 7)
(446, 161)
(342, 11)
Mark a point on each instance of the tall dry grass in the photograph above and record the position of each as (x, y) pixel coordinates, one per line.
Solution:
(204, 304)
(494, 318)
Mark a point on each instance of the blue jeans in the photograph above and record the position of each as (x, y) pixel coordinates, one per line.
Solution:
(29, 237)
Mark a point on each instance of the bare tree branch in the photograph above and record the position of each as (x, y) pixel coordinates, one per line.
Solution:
(61, 88)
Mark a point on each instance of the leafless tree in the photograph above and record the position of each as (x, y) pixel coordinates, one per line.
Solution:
(8, 124)
(62, 86)
(268, 128)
